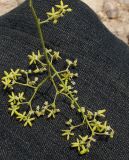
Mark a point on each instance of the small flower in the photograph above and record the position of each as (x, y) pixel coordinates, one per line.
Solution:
(112, 134)
(7, 75)
(75, 63)
(46, 103)
(15, 74)
(29, 71)
(67, 75)
(109, 131)
(53, 15)
(76, 145)
(36, 79)
(37, 108)
(48, 50)
(98, 126)
(84, 150)
(13, 98)
(72, 105)
(34, 58)
(21, 117)
(76, 74)
(16, 98)
(73, 83)
(28, 121)
(65, 88)
(67, 133)
(69, 122)
(92, 139)
(89, 114)
(83, 139)
(80, 144)
(82, 110)
(52, 113)
(37, 70)
(100, 113)
(63, 8)
(13, 109)
(7, 83)
(9, 78)
(31, 112)
(69, 62)
(21, 96)
(56, 55)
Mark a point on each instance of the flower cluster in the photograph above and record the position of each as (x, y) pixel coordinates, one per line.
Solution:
(83, 144)
(65, 87)
(15, 104)
(42, 65)
(36, 60)
(16, 100)
(95, 126)
(9, 78)
(61, 9)
(47, 109)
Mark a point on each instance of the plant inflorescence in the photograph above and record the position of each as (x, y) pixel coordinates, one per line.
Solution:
(43, 64)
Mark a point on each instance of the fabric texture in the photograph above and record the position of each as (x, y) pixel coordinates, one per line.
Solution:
(103, 82)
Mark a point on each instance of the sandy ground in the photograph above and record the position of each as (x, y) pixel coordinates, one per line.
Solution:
(113, 13)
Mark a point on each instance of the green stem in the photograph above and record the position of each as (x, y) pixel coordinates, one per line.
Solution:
(67, 96)
(42, 64)
(36, 89)
(45, 21)
(40, 33)
(74, 127)
(41, 36)
(26, 85)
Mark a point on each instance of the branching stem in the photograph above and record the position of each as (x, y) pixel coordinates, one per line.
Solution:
(40, 33)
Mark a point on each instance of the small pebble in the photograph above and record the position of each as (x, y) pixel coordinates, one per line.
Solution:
(111, 9)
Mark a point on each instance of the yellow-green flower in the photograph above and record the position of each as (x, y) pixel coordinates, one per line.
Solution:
(71, 63)
(53, 15)
(63, 8)
(12, 98)
(34, 58)
(98, 126)
(56, 55)
(81, 145)
(28, 121)
(7, 83)
(13, 109)
(15, 74)
(101, 113)
(8, 79)
(7, 75)
(52, 113)
(67, 75)
(21, 117)
(21, 96)
(16, 98)
(75, 63)
(67, 133)
(89, 114)
(76, 145)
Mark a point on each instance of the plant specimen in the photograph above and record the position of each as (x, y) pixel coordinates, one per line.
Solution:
(43, 63)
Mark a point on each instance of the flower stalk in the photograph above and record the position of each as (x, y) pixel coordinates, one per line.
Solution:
(43, 63)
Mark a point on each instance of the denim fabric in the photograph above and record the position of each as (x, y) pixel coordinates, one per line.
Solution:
(103, 82)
